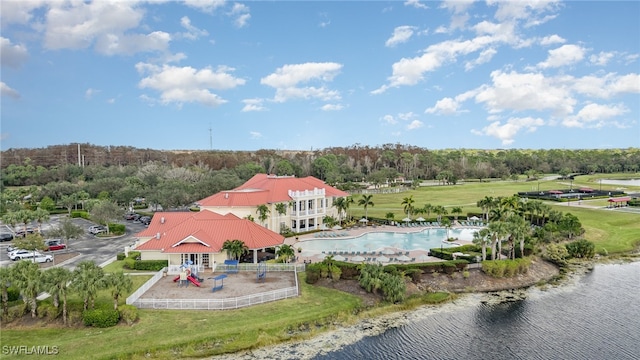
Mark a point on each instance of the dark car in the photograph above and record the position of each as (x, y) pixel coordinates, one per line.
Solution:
(6, 237)
(131, 216)
(145, 220)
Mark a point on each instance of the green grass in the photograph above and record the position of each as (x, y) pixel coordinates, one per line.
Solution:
(170, 334)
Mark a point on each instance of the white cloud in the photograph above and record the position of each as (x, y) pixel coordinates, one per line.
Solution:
(526, 91)
(594, 115)
(6, 90)
(602, 58)
(507, 131)
(88, 94)
(12, 55)
(445, 106)
(332, 107)
(207, 6)
(551, 40)
(253, 105)
(533, 11)
(401, 34)
(605, 86)
(19, 12)
(193, 32)
(287, 79)
(389, 119)
(186, 85)
(562, 56)
(415, 124)
(484, 57)
(255, 135)
(241, 14)
(416, 4)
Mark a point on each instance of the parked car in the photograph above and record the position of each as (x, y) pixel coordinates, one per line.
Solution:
(55, 244)
(145, 220)
(22, 232)
(42, 258)
(97, 229)
(6, 237)
(22, 254)
(11, 248)
(130, 216)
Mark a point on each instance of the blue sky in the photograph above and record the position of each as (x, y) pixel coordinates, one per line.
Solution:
(303, 75)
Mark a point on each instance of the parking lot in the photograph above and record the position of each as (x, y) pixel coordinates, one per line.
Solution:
(89, 247)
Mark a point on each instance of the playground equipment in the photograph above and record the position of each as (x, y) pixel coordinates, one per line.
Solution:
(192, 275)
(232, 266)
(261, 272)
(217, 287)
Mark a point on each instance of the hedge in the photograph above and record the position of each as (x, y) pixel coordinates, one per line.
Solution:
(101, 318)
(150, 265)
(80, 214)
(117, 228)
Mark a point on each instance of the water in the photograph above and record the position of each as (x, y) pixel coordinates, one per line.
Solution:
(596, 318)
(422, 240)
(632, 182)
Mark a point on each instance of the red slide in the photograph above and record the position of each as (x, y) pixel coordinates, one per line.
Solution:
(177, 278)
(193, 280)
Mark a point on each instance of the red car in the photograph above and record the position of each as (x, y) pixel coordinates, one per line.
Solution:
(55, 245)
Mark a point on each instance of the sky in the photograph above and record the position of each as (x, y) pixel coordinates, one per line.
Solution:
(307, 75)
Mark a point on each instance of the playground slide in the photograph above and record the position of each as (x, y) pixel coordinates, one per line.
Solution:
(176, 278)
(193, 280)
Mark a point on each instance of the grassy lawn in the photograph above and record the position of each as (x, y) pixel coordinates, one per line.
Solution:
(169, 334)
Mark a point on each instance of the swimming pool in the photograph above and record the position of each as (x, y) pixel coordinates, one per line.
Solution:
(375, 241)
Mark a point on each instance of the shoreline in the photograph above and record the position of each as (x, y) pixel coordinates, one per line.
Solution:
(341, 336)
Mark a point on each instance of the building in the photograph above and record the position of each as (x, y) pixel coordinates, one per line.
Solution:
(298, 204)
(198, 237)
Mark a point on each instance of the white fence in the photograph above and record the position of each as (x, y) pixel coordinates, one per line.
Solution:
(146, 286)
(218, 304)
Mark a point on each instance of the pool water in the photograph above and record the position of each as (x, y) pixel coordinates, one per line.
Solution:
(376, 241)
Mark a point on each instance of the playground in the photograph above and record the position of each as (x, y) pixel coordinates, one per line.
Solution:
(234, 285)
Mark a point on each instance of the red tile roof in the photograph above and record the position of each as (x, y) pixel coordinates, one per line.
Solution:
(268, 189)
(620, 199)
(204, 232)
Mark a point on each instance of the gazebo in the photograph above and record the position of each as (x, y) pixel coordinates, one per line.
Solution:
(619, 201)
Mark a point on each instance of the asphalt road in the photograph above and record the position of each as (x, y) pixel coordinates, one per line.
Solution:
(89, 246)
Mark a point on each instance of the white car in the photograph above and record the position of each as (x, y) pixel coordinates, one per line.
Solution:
(26, 254)
(42, 258)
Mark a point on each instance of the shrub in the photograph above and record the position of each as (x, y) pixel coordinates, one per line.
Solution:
(80, 214)
(128, 313)
(117, 229)
(120, 256)
(129, 263)
(414, 274)
(581, 249)
(48, 311)
(150, 265)
(101, 317)
(13, 294)
(313, 272)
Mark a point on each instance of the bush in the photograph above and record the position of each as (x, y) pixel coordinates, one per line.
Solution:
(128, 313)
(150, 265)
(13, 294)
(120, 256)
(101, 318)
(581, 249)
(117, 229)
(48, 311)
(80, 214)
(129, 263)
(313, 272)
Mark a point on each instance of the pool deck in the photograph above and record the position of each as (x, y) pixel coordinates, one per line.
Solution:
(419, 255)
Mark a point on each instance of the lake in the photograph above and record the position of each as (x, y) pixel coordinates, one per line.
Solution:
(596, 317)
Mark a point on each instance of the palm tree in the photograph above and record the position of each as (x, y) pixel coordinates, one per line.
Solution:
(285, 252)
(446, 222)
(27, 277)
(483, 239)
(329, 221)
(427, 209)
(25, 217)
(440, 211)
(88, 278)
(347, 203)
(56, 281)
(390, 216)
(408, 205)
(69, 201)
(120, 284)
(456, 211)
(485, 204)
(281, 209)
(263, 213)
(365, 201)
(40, 215)
(341, 205)
(5, 282)
(10, 218)
(235, 248)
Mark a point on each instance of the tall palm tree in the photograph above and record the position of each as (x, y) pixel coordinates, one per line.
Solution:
(25, 217)
(485, 204)
(408, 205)
(27, 277)
(427, 209)
(40, 215)
(120, 284)
(88, 279)
(235, 248)
(56, 283)
(440, 211)
(341, 205)
(281, 209)
(456, 211)
(365, 201)
(285, 252)
(263, 213)
(347, 203)
(482, 238)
